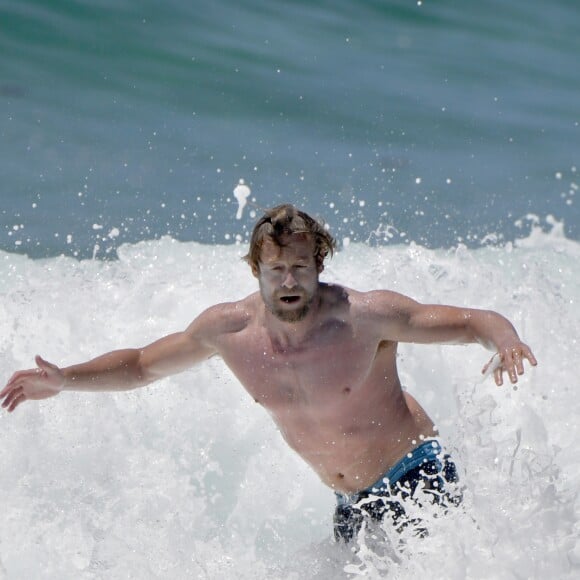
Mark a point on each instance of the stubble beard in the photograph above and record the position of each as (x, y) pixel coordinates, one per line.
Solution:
(291, 316)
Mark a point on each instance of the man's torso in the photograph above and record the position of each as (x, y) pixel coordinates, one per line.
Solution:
(335, 395)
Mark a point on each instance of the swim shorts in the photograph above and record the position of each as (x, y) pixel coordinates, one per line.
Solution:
(419, 476)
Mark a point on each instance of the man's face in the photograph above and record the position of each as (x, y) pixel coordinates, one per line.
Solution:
(288, 277)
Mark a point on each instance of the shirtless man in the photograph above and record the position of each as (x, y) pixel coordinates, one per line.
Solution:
(321, 358)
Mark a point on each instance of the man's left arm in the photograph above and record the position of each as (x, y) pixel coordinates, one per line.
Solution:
(496, 332)
(410, 321)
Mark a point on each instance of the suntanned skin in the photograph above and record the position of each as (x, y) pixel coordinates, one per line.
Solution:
(320, 358)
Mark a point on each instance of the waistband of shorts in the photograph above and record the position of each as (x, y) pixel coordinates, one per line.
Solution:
(429, 450)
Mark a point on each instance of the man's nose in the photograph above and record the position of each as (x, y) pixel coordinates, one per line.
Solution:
(289, 281)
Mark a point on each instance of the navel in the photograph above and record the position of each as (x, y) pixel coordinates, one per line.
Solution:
(346, 390)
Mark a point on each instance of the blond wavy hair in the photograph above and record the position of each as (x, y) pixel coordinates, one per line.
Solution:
(286, 220)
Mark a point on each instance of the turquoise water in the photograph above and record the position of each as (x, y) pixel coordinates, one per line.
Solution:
(438, 122)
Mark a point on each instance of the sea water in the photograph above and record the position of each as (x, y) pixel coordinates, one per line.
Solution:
(437, 139)
(189, 478)
(442, 121)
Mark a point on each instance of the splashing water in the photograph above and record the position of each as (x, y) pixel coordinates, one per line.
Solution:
(241, 193)
(188, 478)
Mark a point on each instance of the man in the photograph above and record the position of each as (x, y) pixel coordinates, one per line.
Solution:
(321, 358)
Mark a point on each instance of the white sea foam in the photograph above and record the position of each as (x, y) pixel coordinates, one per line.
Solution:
(189, 479)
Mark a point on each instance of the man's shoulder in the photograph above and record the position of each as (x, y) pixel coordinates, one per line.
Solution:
(377, 302)
(228, 317)
(369, 297)
(360, 306)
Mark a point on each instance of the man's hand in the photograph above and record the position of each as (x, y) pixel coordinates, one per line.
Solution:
(40, 383)
(510, 359)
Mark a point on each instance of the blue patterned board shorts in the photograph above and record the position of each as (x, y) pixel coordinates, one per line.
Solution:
(426, 465)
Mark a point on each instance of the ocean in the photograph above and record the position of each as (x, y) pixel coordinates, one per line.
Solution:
(438, 141)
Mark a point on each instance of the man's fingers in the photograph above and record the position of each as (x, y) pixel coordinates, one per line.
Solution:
(43, 364)
(11, 396)
(516, 366)
(513, 374)
(510, 361)
(491, 364)
(8, 386)
(16, 378)
(519, 363)
(530, 356)
(20, 399)
(6, 393)
(10, 383)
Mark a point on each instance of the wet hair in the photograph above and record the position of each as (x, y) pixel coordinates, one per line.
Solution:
(287, 220)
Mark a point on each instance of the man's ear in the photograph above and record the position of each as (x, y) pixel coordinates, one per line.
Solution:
(319, 266)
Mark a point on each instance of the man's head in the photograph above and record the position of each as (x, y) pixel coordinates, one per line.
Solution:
(287, 252)
(280, 223)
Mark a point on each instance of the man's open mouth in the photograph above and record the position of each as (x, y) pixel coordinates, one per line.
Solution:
(290, 299)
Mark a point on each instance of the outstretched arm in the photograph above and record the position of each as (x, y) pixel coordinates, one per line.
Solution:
(115, 371)
(405, 320)
(496, 332)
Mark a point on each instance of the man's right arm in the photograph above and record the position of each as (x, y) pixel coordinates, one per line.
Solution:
(132, 368)
(120, 369)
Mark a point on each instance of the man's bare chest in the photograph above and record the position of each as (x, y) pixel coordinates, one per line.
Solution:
(333, 362)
